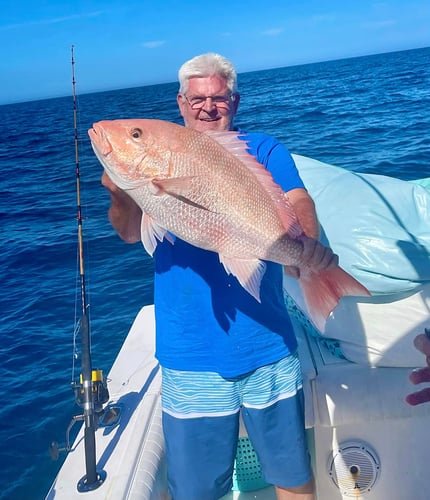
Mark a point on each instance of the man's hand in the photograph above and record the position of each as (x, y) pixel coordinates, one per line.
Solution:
(422, 343)
(124, 215)
(316, 255)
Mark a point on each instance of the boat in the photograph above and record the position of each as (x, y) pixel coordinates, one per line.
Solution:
(365, 441)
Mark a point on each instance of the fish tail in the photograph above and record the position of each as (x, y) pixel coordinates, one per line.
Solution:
(323, 290)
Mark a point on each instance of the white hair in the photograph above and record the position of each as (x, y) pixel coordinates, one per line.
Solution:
(207, 65)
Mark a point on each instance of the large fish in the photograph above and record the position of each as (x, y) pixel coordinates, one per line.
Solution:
(206, 189)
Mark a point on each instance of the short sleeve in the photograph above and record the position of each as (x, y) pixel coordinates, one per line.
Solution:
(276, 158)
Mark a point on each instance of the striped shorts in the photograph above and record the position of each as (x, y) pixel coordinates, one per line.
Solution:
(201, 426)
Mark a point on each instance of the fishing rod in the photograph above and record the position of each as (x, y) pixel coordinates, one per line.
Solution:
(91, 391)
(91, 381)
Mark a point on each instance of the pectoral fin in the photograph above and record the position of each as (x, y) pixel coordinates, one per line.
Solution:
(150, 232)
(178, 187)
(175, 186)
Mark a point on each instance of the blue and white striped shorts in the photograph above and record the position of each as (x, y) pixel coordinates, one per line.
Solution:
(188, 394)
(201, 427)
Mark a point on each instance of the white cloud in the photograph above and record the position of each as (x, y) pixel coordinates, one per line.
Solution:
(54, 20)
(272, 32)
(323, 18)
(380, 24)
(153, 44)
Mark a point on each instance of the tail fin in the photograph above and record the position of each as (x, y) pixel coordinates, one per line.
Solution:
(323, 290)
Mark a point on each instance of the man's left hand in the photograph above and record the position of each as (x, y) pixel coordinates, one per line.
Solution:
(315, 255)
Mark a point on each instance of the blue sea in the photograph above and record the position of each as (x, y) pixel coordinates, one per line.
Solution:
(367, 114)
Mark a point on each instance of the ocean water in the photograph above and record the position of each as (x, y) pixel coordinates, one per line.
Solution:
(368, 114)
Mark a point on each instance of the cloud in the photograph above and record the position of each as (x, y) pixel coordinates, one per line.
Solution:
(323, 18)
(153, 44)
(54, 20)
(380, 24)
(272, 32)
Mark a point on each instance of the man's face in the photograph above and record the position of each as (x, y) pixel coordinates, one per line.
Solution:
(208, 114)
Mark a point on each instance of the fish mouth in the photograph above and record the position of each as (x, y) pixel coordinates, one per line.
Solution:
(99, 140)
(101, 146)
(103, 149)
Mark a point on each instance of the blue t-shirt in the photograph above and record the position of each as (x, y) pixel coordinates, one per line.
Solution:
(205, 320)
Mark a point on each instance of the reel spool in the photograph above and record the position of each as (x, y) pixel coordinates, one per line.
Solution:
(99, 390)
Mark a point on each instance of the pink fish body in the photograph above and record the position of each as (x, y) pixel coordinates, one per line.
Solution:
(209, 191)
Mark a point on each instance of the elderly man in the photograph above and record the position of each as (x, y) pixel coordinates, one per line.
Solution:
(220, 350)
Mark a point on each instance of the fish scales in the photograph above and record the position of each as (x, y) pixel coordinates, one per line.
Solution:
(229, 214)
(239, 217)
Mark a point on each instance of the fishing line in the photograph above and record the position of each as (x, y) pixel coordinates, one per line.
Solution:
(91, 391)
(80, 273)
(83, 277)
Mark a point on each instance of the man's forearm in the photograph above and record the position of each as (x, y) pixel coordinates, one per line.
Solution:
(124, 214)
(304, 208)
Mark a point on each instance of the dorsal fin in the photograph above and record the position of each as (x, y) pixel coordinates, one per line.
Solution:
(238, 147)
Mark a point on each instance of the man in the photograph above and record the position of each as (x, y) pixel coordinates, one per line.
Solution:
(422, 343)
(220, 350)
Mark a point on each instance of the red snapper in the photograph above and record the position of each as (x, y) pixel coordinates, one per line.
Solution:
(206, 189)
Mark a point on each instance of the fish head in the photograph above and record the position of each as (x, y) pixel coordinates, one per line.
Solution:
(129, 152)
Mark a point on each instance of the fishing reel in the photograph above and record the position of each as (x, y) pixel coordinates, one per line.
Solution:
(108, 417)
(99, 391)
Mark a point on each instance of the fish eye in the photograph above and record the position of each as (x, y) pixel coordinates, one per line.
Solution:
(136, 133)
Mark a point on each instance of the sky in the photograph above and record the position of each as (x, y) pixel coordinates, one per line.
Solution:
(121, 44)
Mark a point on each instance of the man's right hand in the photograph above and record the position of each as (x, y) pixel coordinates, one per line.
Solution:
(124, 214)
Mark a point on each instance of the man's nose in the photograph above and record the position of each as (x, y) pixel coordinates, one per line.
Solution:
(209, 104)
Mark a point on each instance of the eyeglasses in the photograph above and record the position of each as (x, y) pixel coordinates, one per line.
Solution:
(220, 101)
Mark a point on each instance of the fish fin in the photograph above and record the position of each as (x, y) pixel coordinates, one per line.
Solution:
(238, 147)
(323, 290)
(249, 273)
(175, 186)
(150, 232)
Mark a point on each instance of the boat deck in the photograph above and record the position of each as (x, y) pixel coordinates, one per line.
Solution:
(346, 404)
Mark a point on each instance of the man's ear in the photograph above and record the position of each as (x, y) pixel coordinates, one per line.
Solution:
(181, 103)
(236, 102)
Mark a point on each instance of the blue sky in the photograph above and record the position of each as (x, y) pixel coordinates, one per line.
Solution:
(121, 44)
